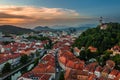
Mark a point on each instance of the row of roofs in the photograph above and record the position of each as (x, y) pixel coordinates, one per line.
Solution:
(45, 70)
(86, 72)
(74, 74)
(14, 51)
(6, 57)
(22, 46)
(76, 69)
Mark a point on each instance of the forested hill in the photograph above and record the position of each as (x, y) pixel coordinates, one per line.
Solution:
(102, 39)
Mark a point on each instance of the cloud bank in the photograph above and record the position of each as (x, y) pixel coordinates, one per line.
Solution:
(32, 16)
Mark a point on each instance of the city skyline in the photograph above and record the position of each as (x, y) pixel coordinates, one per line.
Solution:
(30, 13)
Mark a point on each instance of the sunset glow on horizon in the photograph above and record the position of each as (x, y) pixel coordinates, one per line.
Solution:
(30, 13)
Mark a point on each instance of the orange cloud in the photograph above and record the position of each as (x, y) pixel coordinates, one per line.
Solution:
(37, 15)
(10, 21)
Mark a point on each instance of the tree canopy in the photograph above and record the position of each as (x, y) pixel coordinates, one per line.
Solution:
(6, 68)
(24, 59)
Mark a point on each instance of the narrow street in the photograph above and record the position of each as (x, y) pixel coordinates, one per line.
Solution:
(57, 66)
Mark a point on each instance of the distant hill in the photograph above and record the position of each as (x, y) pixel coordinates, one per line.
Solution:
(9, 29)
(77, 28)
(85, 27)
(41, 28)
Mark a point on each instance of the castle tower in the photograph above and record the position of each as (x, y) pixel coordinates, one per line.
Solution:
(103, 25)
(101, 20)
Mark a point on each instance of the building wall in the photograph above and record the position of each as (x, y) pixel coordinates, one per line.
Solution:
(98, 74)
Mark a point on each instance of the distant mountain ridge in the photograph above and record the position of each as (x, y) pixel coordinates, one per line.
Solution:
(10, 29)
(41, 28)
(63, 28)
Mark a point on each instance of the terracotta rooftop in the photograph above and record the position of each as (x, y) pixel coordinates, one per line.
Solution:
(114, 72)
(118, 76)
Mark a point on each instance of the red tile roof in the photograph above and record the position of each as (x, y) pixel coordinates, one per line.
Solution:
(45, 77)
(92, 49)
(92, 77)
(118, 76)
(5, 57)
(114, 72)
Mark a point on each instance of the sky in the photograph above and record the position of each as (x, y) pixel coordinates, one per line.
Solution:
(32, 13)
